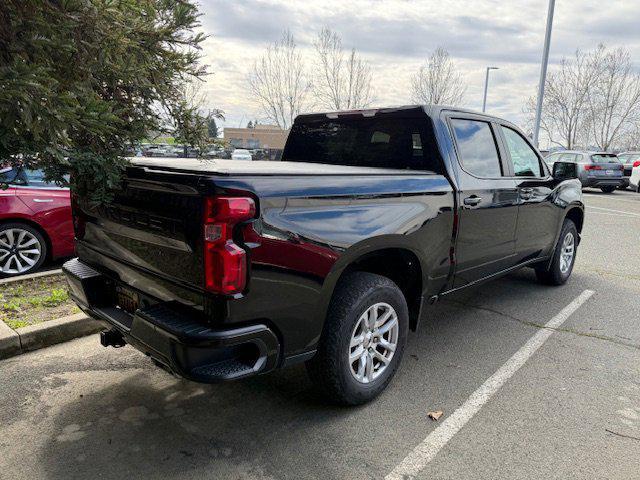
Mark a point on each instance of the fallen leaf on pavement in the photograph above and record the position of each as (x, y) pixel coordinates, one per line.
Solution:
(435, 415)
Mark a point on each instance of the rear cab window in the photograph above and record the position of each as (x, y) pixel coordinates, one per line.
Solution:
(381, 141)
(477, 147)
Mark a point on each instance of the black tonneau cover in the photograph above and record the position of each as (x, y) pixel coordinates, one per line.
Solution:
(258, 167)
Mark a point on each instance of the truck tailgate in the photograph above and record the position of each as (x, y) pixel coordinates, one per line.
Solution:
(154, 223)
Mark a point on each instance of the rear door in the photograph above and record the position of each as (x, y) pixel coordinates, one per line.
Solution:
(538, 216)
(487, 199)
(51, 207)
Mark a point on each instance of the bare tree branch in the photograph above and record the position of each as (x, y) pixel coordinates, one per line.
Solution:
(340, 83)
(614, 100)
(438, 82)
(565, 105)
(279, 82)
(591, 100)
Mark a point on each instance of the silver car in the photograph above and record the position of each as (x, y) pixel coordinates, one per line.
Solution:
(595, 169)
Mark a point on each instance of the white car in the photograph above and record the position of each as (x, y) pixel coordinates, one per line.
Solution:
(634, 181)
(240, 154)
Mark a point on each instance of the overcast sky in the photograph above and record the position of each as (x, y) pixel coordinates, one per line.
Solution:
(396, 36)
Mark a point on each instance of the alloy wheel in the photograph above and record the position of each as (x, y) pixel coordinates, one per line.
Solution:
(373, 342)
(20, 250)
(567, 252)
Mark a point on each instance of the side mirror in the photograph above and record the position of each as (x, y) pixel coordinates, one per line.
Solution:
(565, 170)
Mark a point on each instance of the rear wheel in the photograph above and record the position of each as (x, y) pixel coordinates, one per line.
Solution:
(608, 189)
(561, 266)
(22, 249)
(363, 339)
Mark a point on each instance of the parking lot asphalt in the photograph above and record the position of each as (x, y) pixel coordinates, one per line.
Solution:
(572, 410)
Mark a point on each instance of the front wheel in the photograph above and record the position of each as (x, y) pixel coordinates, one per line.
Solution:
(559, 270)
(607, 189)
(363, 339)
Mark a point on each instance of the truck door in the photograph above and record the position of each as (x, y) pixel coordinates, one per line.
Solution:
(538, 216)
(487, 202)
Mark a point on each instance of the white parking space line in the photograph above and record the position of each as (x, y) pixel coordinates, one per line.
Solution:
(422, 454)
(623, 215)
(615, 199)
(614, 211)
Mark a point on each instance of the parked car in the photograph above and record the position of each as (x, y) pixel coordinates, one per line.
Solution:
(222, 270)
(595, 169)
(628, 159)
(35, 221)
(634, 179)
(241, 154)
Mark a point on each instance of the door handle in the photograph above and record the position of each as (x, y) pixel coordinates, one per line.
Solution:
(472, 200)
(43, 200)
(526, 193)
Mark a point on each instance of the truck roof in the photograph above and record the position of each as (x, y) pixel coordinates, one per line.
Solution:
(432, 111)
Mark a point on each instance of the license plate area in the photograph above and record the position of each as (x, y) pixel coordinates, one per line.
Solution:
(127, 299)
(609, 172)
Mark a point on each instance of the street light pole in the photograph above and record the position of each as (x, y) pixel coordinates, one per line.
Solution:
(486, 86)
(543, 71)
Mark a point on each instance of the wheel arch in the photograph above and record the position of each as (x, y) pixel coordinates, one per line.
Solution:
(34, 225)
(400, 264)
(576, 215)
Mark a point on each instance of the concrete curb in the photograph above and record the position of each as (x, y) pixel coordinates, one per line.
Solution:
(30, 276)
(33, 337)
(9, 341)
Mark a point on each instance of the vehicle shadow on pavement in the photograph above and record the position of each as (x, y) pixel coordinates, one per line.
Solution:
(144, 423)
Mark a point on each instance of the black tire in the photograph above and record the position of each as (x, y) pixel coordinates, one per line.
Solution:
(330, 369)
(552, 273)
(41, 246)
(608, 189)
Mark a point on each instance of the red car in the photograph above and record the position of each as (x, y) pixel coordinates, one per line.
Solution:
(35, 221)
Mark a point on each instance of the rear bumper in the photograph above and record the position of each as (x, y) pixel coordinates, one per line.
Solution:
(171, 336)
(622, 182)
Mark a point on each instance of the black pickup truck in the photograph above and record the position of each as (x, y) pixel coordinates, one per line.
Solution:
(221, 269)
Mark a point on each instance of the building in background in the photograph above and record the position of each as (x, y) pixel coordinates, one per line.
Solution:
(267, 137)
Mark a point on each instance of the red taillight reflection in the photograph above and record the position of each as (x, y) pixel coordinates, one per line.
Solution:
(225, 263)
(636, 164)
(593, 167)
(79, 219)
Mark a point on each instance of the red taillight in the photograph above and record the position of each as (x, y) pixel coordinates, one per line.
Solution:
(225, 263)
(592, 167)
(636, 164)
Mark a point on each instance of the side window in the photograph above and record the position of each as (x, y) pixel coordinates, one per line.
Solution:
(36, 179)
(477, 147)
(568, 157)
(524, 158)
(13, 176)
(551, 159)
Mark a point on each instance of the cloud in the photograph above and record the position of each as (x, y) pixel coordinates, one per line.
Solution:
(396, 36)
